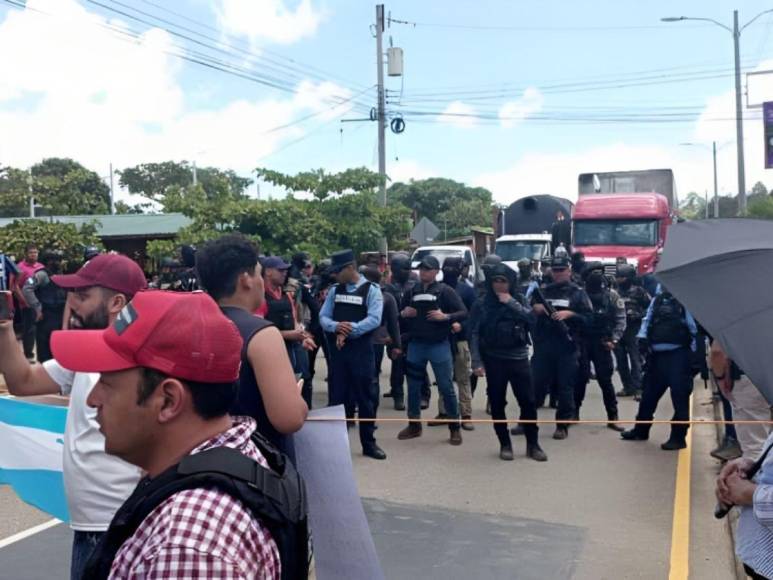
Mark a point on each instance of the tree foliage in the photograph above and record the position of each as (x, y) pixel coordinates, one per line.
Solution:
(68, 238)
(322, 185)
(761, 208)
(65, 187)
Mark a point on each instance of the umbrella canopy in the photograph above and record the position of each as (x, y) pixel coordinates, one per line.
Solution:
(722, 271)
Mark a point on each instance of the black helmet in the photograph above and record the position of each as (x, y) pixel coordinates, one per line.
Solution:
(592, 267)
(52, 256)
(90, 252)
(400, 262)
(626, 271)
(188, 255)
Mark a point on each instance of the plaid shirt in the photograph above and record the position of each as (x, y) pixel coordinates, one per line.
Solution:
(203, 533)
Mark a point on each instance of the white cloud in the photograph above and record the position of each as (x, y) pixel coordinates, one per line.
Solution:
(458, 114)
(269, 19)
(514, 112)
(74, 89)
(405, 170)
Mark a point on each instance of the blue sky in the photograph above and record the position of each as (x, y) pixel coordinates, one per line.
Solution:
(77, 87)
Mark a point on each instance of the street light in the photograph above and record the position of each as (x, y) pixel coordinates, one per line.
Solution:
(736, 32)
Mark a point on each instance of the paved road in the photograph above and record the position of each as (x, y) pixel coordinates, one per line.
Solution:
(600, 508)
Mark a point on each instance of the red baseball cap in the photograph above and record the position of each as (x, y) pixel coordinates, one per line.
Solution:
(181, 334)
(112, 271)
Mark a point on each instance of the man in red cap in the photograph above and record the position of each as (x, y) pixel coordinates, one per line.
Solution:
(169, 365)
(96, 484)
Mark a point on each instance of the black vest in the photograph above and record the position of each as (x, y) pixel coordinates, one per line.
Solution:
(249, 400)
(669, 322)
(425, 301)
(351, 306)
(501, 329)
(602, 320)
(280, 312)
(634, 312)
(277, 497)
(51, 296)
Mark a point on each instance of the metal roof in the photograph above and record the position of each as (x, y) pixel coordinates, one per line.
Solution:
(123, 225)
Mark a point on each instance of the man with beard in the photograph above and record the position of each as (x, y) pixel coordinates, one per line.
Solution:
(47, 300)
(96, 484)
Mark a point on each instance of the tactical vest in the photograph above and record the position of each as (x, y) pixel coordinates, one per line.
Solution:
(669, 322)
(276, 496)
(603, 318)
(51, 296)
(633, 309)
(351, 306)
(280, 312)
(501, 329)
(424, 301)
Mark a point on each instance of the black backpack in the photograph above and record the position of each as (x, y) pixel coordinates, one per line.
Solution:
(276, 496)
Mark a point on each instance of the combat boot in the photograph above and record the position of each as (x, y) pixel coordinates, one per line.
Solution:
(412, 431)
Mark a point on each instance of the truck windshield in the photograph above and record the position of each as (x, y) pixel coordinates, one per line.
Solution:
(441, 255)
(616, 233)
(514, 251)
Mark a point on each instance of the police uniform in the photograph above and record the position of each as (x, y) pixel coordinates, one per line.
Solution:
(499, 344)
(556, 345)
(669, 332)
(45, 297)
(636, 302)
(351, 367)
(606, 324)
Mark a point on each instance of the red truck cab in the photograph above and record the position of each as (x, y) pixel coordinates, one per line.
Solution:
(610, 226)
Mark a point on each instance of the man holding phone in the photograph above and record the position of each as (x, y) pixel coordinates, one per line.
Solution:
(96, 484)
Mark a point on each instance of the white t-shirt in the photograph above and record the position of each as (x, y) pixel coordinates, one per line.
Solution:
(96, 484)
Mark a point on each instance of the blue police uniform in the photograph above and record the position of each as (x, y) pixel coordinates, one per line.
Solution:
(670, 332)
(351, 367)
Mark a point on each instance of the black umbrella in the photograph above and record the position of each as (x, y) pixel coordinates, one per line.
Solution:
(722, 271)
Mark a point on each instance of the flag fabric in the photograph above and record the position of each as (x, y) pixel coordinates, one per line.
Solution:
(31, 453)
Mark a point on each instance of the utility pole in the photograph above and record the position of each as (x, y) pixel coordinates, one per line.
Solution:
(739, 118)
(716, 192)
(112, 193)
(195, 180)
(381, 114)
(32, 198)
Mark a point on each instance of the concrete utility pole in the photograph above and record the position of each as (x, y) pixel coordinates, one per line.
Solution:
(195, 180)
(739, 118)
(112, 193)
(716, 191)
(381, 113)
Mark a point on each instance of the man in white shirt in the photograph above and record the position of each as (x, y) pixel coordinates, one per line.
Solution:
(96, 484)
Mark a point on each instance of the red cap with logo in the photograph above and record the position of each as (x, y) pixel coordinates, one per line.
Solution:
(112, 271)
(183, 335)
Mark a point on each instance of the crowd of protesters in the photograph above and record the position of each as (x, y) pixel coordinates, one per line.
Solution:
(183, 404)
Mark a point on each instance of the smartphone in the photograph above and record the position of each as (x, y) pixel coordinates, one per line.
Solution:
(6, 305)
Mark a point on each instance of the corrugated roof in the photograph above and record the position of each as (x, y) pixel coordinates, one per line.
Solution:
(122, 226)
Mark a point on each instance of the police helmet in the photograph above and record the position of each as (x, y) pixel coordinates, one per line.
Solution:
(188, 255)
(90, 252)
(400, 262)
(626, 271)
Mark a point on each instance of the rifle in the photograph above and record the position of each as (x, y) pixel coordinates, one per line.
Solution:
(539, 298)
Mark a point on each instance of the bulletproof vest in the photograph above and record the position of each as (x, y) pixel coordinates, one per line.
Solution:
(668, 324)
(400, 290)
(560, 295)
(633, 310)
(425, 301)
(351, 306)
(501, 329)
(249, 401)
(280, 312)
(603, 317)
(51, 296)
(188, 281)
(276, 496)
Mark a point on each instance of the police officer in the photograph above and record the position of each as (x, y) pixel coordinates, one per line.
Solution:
(187, 280)
(47, 300)
(557, 339)
(402, 281)
(667, 335)
(499, 342)
(605, 328)
(431, 308)
(351, 313)
(627, 353)
(90, 252)
(460, 346)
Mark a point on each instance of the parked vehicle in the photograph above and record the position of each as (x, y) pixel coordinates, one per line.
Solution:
(531, 246)
(443, 252)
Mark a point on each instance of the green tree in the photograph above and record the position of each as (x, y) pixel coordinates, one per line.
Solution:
(440, 199)
(14, 192)
(693, 206)
(758, 190)
(322, 185)
(761, 208)
(65, 187)
(68, 238)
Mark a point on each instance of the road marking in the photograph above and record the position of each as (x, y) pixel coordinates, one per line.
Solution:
(29, 532)
(680, 528)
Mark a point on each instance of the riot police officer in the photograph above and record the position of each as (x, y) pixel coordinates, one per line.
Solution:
(351, 313)
(627, 353)
(47, 300)
(557, 337)
(605, 328)
(402, 281)
(667, 334)
(499, 342)
(187, 278)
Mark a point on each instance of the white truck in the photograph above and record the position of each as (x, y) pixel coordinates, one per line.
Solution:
(520, 246)
(442, 252)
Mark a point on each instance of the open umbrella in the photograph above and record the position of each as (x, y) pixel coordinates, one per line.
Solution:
(722, 271)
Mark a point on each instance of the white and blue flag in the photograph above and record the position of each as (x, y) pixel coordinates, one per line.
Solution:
(31, 453)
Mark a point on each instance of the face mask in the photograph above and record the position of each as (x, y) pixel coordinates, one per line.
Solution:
(595, 283)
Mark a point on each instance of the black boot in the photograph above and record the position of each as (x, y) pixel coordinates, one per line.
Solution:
(535, 452)
(612, 424)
